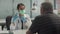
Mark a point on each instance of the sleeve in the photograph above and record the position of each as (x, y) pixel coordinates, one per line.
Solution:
(28, 23)
(34, 27)
(12, 20)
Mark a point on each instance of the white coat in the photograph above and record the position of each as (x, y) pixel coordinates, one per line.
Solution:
(18, 25)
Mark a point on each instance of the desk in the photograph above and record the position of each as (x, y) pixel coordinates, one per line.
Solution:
(4, 32)
(13, 32)
(19, 31)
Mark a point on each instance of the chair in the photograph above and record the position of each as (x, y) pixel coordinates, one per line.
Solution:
(8, 22)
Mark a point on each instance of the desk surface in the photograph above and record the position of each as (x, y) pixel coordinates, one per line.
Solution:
(15, 32)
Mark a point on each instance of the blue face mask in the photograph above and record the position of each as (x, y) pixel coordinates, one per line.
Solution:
(22, 17)
(22, 12)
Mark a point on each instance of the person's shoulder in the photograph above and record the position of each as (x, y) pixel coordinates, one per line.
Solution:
(39, 16)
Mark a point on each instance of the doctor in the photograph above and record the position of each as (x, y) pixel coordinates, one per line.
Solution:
(21, 20)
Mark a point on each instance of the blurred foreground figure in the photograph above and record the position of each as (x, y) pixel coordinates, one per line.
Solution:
(47, 22)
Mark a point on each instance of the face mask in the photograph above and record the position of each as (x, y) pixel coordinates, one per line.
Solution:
(22, 12)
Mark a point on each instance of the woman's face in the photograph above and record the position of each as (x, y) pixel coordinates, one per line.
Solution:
(21, 7)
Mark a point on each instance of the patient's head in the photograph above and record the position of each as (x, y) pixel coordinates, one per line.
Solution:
(46, 7)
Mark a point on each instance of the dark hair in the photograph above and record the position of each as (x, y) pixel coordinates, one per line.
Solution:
(47, 7)
(19, 5)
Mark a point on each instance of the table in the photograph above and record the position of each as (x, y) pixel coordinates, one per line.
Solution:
(14, 32)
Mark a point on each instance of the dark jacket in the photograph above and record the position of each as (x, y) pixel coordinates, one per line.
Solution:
(46, 24)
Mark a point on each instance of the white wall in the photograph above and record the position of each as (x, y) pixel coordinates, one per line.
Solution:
(5, 8)
(38, 7)
(52, 1)
(55, 10)
(9, 7)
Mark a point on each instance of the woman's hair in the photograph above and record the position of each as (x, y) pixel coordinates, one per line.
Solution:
(19, 5)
